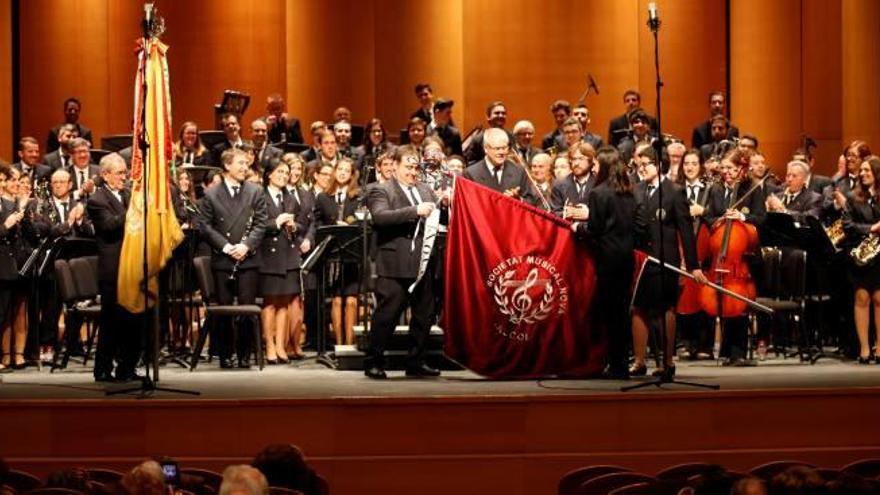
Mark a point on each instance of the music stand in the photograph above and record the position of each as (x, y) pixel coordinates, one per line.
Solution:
(180, 284)
(345, 245)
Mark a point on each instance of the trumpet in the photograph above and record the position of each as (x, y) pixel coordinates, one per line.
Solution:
(867, 250)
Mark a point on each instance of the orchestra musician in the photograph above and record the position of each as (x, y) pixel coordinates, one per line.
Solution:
(561, 111)
(189, 149)
(795, 199)
(862, 219)
(568, 198)
(303, 200)
(496, 172)
(11, 219)
(29, 160)
(233, 221)
(280, 261)
(610, 226)
(337, 206)
(657, 292)
(397, 207)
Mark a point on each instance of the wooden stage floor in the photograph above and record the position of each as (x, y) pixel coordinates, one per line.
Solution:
(456, 434)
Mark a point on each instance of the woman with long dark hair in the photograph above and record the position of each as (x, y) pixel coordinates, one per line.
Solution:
(280, 261)
(610, 230)
(861, 219)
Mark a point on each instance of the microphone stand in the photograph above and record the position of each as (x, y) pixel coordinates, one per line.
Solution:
(660, 341)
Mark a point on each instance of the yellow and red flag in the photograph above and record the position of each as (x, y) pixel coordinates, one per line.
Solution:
(150, 183)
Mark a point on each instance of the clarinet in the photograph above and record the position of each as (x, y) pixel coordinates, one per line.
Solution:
(247, 231)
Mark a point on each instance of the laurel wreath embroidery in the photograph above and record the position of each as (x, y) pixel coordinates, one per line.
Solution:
(528, 316)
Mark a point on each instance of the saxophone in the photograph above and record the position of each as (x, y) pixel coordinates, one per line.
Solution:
(835, 233)
(867, 250)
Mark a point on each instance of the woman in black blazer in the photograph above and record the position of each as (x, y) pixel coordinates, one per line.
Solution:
(280, 261)
(12, 313)
(609, 229)
(862, 218)
(304, 201)
(337, 206)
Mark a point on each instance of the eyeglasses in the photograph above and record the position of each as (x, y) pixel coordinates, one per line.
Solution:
(498, 148)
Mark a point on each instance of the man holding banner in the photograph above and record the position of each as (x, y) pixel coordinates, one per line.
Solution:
(405, 219)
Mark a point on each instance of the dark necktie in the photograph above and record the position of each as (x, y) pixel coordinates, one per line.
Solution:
(498, 174)
(412, 196)
(278, 200)
(852, 183)
(651, 191)
(65, 211)
(692, 194)
(788, 199)
(82, 179)
(235, 191)
(339, 198)
(189, 157)
(580, 189)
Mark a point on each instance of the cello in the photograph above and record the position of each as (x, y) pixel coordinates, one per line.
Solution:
(730, 240)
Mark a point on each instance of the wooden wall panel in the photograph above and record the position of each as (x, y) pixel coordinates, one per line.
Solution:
(766, 72)
(223, 44)
(7, 148)
(63, 53)
(330, 59)
(529, 68)
(822, 80)
(861, 71)
(417, 42)
(692, 61)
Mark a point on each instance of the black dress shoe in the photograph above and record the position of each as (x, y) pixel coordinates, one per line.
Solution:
(129, 376)
(271, 361)
(422, 370)
(615, 374)
(244, 363)
(226, 363)
(375, 373)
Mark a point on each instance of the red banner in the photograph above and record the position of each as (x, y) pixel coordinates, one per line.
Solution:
(518, 290)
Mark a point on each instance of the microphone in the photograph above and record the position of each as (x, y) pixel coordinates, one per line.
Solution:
(653, 18)
(593, 84)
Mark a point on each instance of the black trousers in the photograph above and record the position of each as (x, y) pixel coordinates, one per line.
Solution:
(245, 287)
(392, 299)
(611, 308)
(696, 331)
(734, 337)
(120, 337)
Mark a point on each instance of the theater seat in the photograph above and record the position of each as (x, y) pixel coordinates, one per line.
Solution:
(570, 482)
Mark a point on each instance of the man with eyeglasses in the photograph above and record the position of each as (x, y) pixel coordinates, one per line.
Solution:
(496, 172)
(86, 176)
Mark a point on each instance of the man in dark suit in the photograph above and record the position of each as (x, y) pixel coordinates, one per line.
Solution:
(328, 153)
(641, 133)
(496, 118)
(425, 95)
(233, 221)
(796, 200)
(121, 334)
(314, 150)
(561, 110)
(342, 131)
(442, 126)
(523, 133)
(86, 176)
(29, 160)
(703, 133)
(397, 207)
(619, 127)
(660, 225)
(542, 171)
(282, 128)
(573, 133)
(582, 114)
(60, 158)
(573, 190)
(232, 129)
(718, 143)
(72, 108)
(498, 173)
(263, 151)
